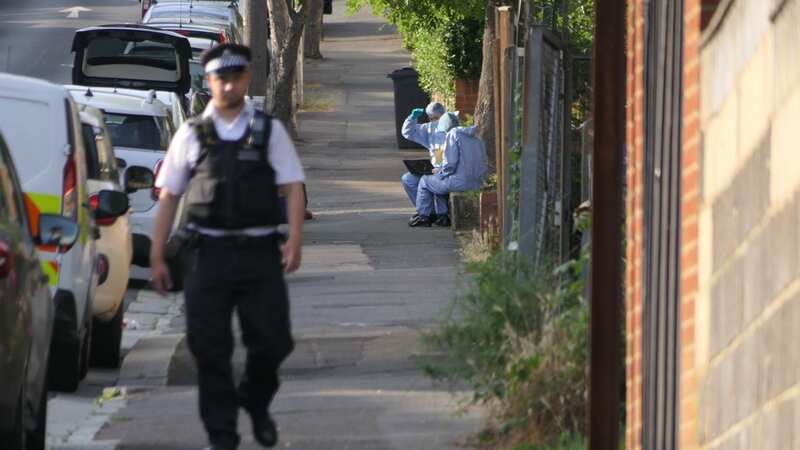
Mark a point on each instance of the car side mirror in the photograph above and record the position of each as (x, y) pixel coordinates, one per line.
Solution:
(138, 178)
(121, 163)
(109, 204)
(56, 230)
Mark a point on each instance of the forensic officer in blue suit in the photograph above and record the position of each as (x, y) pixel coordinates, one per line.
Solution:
(463, 169)
(426, 135)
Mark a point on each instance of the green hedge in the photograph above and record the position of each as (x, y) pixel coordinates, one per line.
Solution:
(445, 37)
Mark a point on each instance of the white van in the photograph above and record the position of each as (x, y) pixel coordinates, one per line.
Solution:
(115, 245)
(41, 125)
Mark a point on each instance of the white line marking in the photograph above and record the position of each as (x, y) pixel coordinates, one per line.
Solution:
(75, 11)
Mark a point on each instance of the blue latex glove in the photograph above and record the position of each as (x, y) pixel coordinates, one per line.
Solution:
(417, 113)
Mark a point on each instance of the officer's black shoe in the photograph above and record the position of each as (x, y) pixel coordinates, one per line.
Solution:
(264, 431)
(442, 221)
(420, 221)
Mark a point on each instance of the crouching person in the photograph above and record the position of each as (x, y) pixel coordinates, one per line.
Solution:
(463, 169)
(426, 135)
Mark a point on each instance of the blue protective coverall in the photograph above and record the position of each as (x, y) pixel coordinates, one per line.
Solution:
(427, 136)
(463, 169)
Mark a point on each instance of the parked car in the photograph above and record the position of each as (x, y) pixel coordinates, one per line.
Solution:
(42, 129)
(140, 130)
(141, 126)
(26, 311)
(216, 34)
(197, 13)
(115, 244)
(146, 4)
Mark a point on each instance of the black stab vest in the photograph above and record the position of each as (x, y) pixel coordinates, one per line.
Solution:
(232, 185)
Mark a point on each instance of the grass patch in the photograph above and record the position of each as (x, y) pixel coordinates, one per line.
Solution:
(316, 99)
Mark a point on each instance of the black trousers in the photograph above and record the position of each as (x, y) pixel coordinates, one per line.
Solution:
(223, 274)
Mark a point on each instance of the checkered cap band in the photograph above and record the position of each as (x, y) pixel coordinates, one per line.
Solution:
(225, 61)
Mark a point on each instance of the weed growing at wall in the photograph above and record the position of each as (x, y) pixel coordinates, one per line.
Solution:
(519, 338)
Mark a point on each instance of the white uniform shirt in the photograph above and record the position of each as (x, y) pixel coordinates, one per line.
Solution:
(184, 151)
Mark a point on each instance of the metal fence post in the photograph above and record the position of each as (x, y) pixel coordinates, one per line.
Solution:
(530, 192)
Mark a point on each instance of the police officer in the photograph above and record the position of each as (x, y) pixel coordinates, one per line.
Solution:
(229, 164)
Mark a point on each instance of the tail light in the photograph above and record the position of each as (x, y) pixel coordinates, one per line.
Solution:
(102, 269)
(69, 198)
(94, 202)
(156, 192)
(222, 39)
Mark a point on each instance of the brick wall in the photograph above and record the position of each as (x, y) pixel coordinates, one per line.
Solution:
(748, 299)
(466, 96)
(696, 15)
(634, 233)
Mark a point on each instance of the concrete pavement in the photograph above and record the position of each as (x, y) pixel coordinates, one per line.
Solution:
(368, 287)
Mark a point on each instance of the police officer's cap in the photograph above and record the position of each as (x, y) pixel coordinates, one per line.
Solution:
(226, 58)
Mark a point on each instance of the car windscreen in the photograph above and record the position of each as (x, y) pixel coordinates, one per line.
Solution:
(199, 82)
(155, 60)
(92, 154)
(199, 45)
(188, 13)
(138, 131)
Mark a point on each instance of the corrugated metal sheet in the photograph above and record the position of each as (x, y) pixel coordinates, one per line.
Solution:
(661, 324)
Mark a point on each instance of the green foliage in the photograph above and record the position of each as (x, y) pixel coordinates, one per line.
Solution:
(519, 338)
(515, 164)
(444, 36)
(430, 58)
(563, 442)
(463, 39)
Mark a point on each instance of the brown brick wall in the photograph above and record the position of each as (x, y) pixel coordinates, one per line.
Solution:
(694, 11)
(633, 277)
(466, 97)
(695, 17)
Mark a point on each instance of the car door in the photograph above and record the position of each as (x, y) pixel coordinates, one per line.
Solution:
(16, 288)
(133, 57)
(36, 283)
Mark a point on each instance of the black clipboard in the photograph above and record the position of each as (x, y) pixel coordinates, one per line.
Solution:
(419, 167)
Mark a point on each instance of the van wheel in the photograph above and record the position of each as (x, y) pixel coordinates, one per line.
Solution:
(86, 348)
(65, 366)
(106, 341)
(37, 437)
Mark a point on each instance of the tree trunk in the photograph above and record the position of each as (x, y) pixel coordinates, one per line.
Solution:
(256, 38)
(313, 37)
(484, 109)
(286, 26)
